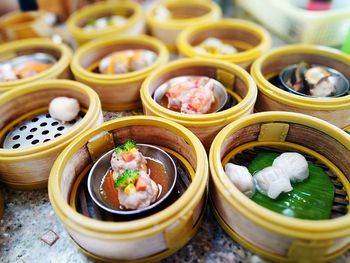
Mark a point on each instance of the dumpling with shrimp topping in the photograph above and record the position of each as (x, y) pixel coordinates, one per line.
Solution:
(136, 190)
(127, 157)
(192, 96)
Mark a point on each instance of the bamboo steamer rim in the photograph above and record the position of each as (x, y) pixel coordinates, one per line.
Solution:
(103, 79)
(52, 72)
(90, 11)
(188, 50)
(90, 117)
(213, 13)
(319, 229)
(34, 15)
(203, 119)
(136, 228)
(295, 100)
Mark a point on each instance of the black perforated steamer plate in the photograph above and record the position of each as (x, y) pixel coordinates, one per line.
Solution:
(37, 130)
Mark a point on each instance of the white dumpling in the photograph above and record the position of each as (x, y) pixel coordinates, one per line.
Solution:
(241, 178)
(272, 181)
(294, 165)
(64, 109)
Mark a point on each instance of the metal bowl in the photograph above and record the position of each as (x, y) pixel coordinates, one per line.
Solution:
(40, 57)
(102, 165)
(219, 90)
(341, 89)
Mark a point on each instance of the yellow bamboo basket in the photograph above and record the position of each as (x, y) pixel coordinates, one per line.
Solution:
(184, 13)
(250, 39)
(236, 80)
(272, 98)
(29, 167)
(1, 205)
(122, 91)
(18, 25)
(60, 69)
(145, 239)
(135, 24)
(271, 235)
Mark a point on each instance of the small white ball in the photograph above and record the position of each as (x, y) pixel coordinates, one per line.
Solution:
(64, 109)
(294, 165)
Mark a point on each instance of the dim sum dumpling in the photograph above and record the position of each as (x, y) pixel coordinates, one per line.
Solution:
(241, 178)
(294, 165)
(64, 109)
(272, 181)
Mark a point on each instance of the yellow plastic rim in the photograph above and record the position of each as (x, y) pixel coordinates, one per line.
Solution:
(88, 121)
(321, 229)
(96, 9)
(248, 55)
(204, 119)
(137, 228)
(104, 79)
(6, 50)
(214, 12)
(295, 100)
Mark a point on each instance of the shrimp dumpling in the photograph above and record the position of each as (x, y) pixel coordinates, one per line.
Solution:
(241, 178)
(294, 165)
(272, 181)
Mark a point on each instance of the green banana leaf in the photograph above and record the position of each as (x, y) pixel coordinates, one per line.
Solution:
(311, 199)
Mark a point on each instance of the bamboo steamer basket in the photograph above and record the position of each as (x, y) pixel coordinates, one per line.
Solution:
(238, 84)
(250, 39)
(266, 233)
(117, 92)
(272, 98)
(28, 46)
(18, 25)
(185, 13)
(135, 24)
(29, 167)
(159, 234)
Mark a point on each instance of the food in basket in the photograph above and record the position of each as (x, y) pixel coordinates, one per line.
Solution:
(294, 165)
(126, 61)
(241, 178)
(191, 95)
(25, 66)
(64, 109)
(314, 80)
(283, 185)
(105, 22)
(134, 180)
(215, 46)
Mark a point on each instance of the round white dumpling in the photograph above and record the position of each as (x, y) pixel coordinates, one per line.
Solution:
(272, 181)
(241, 178)
(294, 165)
(64, 109)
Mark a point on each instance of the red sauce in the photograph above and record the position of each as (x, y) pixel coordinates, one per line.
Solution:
(157, 174)
(213, 107)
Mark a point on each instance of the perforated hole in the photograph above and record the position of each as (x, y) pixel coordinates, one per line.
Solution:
(33, 129)
(55, 123)
(29, 137)
(35, 119)
(23, 128)
(45, 132)
(16, 137)
(43, 124)
(35, 142)
(61, 128)
(57, 135)
(17, 145)
(48, 116)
